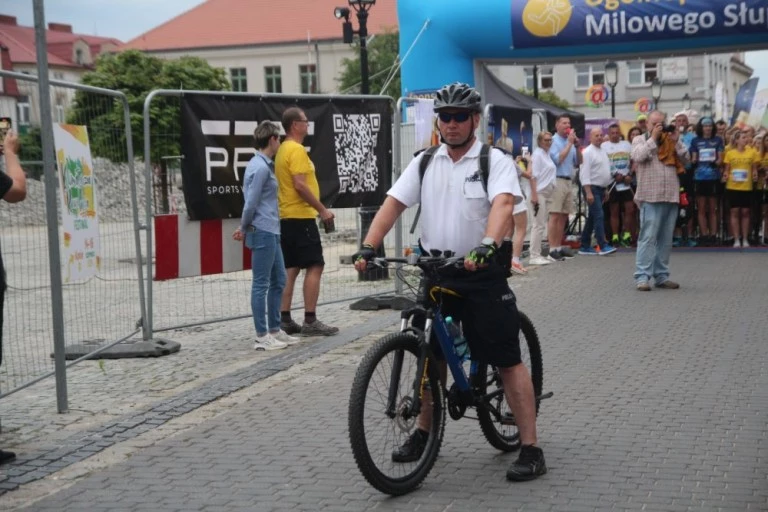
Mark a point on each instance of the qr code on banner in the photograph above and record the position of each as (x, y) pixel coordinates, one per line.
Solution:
(355, 140)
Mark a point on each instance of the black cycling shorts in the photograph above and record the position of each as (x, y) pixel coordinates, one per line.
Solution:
(300, 242)
(621, 196)
(487, 310)
(708, 188)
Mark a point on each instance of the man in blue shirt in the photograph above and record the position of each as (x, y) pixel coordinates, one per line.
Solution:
(260, 228)
(566, 156)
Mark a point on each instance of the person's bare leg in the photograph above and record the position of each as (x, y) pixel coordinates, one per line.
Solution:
(518, 389)
(520, 224)
(290, 281)
(424, 421)
(713, 212)
(629, 219)
(312, 287)
(735, 223)
(614, 209)
(701, 206)
(745, 222)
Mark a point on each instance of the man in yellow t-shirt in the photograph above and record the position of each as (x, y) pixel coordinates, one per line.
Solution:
(298, 198)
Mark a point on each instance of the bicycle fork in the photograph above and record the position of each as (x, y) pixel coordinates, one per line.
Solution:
(420, 383)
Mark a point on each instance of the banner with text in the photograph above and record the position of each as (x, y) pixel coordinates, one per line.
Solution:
(349, 141)
(79, 213)
(547, 23)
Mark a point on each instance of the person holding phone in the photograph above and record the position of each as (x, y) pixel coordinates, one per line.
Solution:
(13, 189)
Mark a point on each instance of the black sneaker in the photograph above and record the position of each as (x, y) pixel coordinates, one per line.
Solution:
(413, 447)
(528, 466)
(6, 456)
(290, 327)
(567, 252)
(556, 256)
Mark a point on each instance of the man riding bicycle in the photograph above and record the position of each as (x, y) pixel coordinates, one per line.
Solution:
(463, 215)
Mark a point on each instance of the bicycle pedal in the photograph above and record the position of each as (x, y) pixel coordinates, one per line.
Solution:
(544, 396)
(508, 419)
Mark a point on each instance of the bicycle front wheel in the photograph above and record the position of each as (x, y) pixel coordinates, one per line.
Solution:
(496, 420)
(379, 419)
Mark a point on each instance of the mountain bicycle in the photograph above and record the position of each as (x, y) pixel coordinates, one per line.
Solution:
(389, 385)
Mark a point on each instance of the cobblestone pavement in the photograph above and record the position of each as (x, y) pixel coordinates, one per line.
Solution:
(661, 403)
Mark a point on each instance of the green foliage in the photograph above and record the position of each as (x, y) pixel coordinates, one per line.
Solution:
(136, 74)
(383, 53)
(549, 97)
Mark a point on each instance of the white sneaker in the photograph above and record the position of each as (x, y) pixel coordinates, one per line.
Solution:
(538, 260)
(745, 243)
(737, 244)
(284, 337)
(267, 342)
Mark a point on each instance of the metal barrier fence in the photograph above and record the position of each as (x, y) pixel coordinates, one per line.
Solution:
(205, 299)
(105, 309)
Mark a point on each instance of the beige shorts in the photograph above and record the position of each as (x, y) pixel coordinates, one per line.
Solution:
(562, 197)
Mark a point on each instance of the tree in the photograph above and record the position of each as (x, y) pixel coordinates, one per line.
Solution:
(383, 52)
(548, 97)
(136, 74)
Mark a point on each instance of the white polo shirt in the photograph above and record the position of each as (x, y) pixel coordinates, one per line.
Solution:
(454, 204)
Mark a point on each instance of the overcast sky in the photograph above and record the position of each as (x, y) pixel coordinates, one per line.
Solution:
(126, 19)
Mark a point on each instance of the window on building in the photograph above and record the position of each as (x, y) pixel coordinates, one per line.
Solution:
(546, 77)
(238, 79)
(78, 56)
(643, 72)
(274, 79)
(308, 78)
(589, 74)
(59, 115)
(22, 105)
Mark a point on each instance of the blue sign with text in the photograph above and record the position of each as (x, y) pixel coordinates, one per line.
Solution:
(548, 23)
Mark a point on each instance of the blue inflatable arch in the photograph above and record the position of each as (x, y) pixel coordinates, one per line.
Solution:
(442, 41)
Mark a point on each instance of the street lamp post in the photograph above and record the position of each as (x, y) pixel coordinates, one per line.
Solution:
(361, 8)
(686, 102)
(612, 78)
(656, 92)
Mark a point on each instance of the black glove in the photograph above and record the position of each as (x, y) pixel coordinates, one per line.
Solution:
(482, 255)
(366, 253)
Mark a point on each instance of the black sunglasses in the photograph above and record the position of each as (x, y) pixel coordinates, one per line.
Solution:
(459, 117)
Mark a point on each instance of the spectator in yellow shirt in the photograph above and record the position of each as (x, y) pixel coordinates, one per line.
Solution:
(740, 173)
(298, 198)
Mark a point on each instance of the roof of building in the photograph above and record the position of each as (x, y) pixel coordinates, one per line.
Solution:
(20, 41)
(228, 23)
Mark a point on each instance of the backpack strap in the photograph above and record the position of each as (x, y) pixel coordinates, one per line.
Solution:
(426, 158)
(485, 164)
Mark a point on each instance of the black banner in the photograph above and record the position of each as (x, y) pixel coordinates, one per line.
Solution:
(349, 141)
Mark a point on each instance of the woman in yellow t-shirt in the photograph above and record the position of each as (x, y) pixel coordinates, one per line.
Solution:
(762, 186)
(740, 173)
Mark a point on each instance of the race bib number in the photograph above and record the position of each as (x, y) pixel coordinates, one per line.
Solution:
(707, 155)
(739, 175)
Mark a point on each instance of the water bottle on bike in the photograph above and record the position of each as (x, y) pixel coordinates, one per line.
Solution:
(460, 345)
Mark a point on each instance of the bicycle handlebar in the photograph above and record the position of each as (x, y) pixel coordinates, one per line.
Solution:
(416, 260)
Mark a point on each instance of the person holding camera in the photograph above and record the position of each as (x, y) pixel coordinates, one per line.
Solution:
(660, 156)
(13, 189)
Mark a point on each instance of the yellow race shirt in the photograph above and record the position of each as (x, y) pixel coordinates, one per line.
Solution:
(762, 170)
(292, 160)
(741, 162)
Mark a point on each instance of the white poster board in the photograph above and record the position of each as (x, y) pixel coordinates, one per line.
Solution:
(81, 255)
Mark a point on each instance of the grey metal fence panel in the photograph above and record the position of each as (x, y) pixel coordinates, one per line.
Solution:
(104, 309)
(189, 301)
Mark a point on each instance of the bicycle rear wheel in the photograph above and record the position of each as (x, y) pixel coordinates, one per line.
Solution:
(496, 420)
(390, 366)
